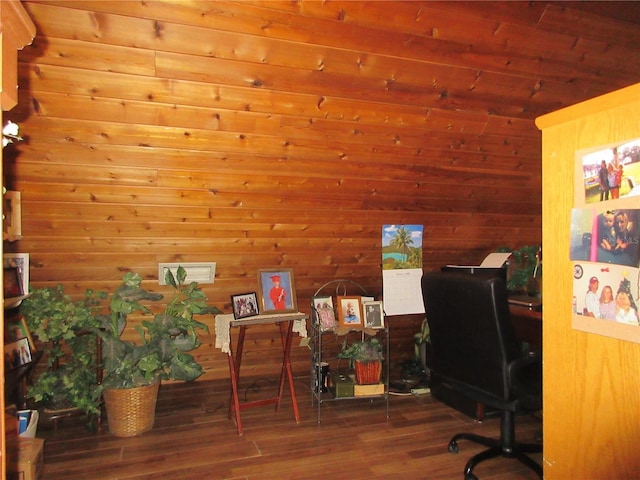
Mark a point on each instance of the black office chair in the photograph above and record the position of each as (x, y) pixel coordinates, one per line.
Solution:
(474, 352)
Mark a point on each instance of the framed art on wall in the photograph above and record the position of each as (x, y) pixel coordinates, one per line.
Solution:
(244, 305)
(277, 291)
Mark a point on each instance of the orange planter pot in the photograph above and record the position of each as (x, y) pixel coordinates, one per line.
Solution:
(368, 372)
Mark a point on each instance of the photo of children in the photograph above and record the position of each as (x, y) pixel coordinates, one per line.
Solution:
(607, 236)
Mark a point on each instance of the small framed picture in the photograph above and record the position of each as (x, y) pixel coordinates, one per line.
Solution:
(244, 305)
(373, 314)
(21, 262)
(277, 291)
(16, 328)
(17, 353)
(350, 311)
(12, 283)
(323, 313)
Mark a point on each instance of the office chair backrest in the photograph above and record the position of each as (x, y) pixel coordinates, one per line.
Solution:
(472, 339)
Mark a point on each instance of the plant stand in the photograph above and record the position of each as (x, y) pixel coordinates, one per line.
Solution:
(344, 388)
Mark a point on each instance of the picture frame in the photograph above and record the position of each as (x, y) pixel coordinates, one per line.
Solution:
(324, 314)
(350, 311)
(16, 328)
(17, 354)
(12, 218)
(21, 262)
(245, 305)
(373, 314)
(12, 283)
(277, 291)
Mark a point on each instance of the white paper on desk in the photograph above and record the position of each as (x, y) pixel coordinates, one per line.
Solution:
(493, 260)
(402, 291)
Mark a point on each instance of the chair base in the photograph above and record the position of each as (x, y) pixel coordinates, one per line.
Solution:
(496, 449)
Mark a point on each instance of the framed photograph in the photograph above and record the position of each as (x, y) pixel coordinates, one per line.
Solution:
(12, 283)
(21, 262)
(277, 291)
(15, 328)
(17, 353)
(373, 314)
(324, 314)
(244, 305)
(12, 218)
(350, 311)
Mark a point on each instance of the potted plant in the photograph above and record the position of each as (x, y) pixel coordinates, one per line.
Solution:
(421, 340)
(61, 327)
(525, 269)
(365, 357)
(133, 371)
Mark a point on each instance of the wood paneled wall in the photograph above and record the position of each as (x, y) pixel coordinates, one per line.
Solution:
(285, 134)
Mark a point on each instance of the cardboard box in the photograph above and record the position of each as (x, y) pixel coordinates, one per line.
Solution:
(25, 459)
(341, 385)
(364, 390)
(31, 428)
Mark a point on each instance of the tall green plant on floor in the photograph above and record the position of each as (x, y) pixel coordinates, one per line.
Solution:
(162, 350)
(60, 325)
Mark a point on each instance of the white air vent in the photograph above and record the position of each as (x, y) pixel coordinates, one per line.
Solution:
(201, 272)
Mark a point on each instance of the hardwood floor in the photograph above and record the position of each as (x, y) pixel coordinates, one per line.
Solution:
(192, 439)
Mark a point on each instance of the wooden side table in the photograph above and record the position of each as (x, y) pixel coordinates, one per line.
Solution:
(285, 322)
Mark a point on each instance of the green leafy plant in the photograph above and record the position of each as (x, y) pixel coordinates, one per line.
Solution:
(162, 352)
(421, 338)
(524, 266)
(61, 327)
(364, 351)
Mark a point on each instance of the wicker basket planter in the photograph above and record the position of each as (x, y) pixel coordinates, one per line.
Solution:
(368, 373)
(131, 411)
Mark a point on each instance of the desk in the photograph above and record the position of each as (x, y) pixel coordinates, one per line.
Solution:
(527, 325)
(288, 324)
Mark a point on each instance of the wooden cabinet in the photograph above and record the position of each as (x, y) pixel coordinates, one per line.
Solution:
(591, 382)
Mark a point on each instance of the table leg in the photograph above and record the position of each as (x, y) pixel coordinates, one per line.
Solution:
(234, 373)
(286, 335)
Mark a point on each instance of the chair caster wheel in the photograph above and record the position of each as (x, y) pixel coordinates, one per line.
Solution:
(453, 448)
(470, 476)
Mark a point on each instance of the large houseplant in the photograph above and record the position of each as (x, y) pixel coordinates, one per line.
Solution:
(61, 325)
(365, 357)
(133, 370)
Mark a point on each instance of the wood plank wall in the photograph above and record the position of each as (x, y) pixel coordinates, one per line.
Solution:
(285, 134)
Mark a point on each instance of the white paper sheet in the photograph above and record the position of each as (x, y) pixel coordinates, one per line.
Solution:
(493, 260)
(402, 291)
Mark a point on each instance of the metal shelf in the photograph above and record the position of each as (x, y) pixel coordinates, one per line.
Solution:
(319, 354)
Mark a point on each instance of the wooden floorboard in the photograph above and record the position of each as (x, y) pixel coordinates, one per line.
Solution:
(193, 440)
